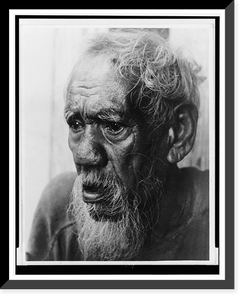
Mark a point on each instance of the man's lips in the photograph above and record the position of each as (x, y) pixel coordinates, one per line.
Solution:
(92, 194)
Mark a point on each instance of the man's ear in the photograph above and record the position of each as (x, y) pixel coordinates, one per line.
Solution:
(182, 133)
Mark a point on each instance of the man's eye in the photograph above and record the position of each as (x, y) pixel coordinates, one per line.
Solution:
(114, 128)
(76, 125)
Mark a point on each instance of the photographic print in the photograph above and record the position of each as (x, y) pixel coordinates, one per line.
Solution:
(119, 145)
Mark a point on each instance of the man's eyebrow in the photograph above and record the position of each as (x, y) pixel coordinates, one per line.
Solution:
(110, 113)
(68, 112)
(119, 116)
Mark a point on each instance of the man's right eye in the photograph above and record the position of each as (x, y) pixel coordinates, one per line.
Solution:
(76, 125)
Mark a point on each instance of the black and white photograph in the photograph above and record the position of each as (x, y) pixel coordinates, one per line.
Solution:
(121, 149)
(117, 128)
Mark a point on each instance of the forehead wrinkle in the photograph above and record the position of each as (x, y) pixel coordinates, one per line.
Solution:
(85, 83)
(84, 87)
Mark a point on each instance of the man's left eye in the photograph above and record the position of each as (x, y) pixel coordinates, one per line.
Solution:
(114, 127)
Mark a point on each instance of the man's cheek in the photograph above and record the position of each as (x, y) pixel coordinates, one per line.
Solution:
(71, 143)
(125, 160)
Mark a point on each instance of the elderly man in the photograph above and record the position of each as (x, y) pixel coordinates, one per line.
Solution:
(131, 106)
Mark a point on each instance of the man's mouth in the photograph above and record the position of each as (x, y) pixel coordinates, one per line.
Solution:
(92, 194)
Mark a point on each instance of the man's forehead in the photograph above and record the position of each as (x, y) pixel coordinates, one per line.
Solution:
(94, 100)
(93, 68)
(95, 84)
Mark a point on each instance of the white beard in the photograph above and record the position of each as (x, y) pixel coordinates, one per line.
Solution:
(118, 236)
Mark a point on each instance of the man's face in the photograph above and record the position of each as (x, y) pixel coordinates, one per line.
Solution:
(105, 135)
(110, 147)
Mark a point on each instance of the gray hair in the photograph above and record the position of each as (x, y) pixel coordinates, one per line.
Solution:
(158, 78)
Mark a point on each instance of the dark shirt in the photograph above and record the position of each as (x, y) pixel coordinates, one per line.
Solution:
(53, 235)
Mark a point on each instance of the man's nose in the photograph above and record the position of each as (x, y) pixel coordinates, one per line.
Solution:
(90, 152)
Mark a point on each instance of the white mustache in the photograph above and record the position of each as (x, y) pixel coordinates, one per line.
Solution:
(99, 180)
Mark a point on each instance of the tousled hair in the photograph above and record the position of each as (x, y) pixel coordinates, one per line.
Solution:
(158, 78)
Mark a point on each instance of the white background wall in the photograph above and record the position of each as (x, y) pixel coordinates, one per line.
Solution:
(47, 55)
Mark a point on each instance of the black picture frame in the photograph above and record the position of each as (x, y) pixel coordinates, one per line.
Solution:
(230, 213)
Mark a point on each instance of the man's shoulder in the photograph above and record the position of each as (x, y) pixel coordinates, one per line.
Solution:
(56, 195)
(61, 184)
(51, 221)
(194, 234)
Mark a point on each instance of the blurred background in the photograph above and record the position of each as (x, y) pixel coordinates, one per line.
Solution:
(47, 55)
